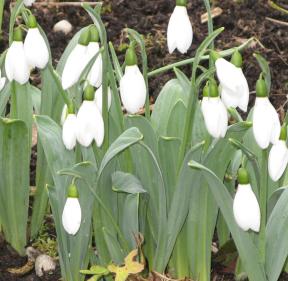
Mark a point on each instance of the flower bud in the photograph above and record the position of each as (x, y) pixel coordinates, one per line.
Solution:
(89, 93)
(237, 58)
(243, 176)
(181, 3)
(94, 34)
(261, 88)
(130, 57)
(211, 89)
(84, 38)
(32, 22)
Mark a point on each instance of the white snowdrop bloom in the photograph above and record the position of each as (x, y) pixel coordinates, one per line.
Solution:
(76, 61)
(16, 66)
(95, 74)
(98, 98)
(278, 160)
(71, 216)
(90, 125)
(2, 81)
(69, 131)
(28, 3)
(179, 32)
(266, 124)
(245, 206)
(35, 48)
(233, 84)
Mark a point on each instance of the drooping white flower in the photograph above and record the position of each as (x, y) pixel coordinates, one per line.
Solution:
(98, 98)
(71, 216)
(179, 32)
(245, 206)
(278, 159)
(95, 74)
(69, 131)
(90, 125)
(16, 66)
(266, 124)
(76, 61)
(35, 48)
(233, 84)
(28, 3)
(2, 81)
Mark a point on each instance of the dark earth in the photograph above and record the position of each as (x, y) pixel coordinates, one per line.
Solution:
(241, 19)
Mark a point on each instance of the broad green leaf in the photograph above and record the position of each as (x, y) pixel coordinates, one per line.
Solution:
(125, 182)
(246, 248)
(36, 98)
(14, 181)
(4, 98)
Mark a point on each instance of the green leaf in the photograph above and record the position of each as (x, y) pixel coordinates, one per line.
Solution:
(14, 181)
(125, 182)
(14, 13)
(263, 63)
(246, 248)
(4, 98)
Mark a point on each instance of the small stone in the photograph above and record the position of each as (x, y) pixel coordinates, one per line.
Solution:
(32, 253)
(63, 26)
(44, 263)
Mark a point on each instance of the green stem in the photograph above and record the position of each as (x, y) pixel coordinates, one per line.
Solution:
(1, 17)
(210, 28)
(263, 205)
(224, 53)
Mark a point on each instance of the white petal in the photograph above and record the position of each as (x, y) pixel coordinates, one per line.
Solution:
(69, 131)
(265, 118)
(16, 66)
(228, 97)
(36, 50)
(179, 32)
(28, 2)
(2, 83)
(227, 74)
(71, 216)
(74, 66)
(243, 89)
(246, 208)
(215, 116)
(132, 89)
(98, 98)
(95, 74)
(278, 160)
(90, 124)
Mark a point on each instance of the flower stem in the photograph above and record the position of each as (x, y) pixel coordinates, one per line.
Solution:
(263, 205)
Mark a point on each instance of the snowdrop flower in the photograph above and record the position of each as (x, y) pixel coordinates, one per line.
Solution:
(98, 98)
(28, 3)
(2, 81)
(245, 206)
(35, 48)
(266, 124)
(132, 84)
(69, 130)
(179, 32)
(233, 84)
(214, 112)
(95, 74)
(16, 66)
(76, 62)
(90, 125)
(71, 216)
(278, 156)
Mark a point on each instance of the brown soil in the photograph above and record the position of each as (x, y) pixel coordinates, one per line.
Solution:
(241, 19)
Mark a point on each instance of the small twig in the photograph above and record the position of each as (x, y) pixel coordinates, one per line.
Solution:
(277, 7)
(277, 21)
(215, 12)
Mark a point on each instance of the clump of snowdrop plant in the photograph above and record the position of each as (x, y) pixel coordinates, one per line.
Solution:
(71, 216)
(245, 206)
(214, 112)
(179, 32)
(266, 124)
(132, 85)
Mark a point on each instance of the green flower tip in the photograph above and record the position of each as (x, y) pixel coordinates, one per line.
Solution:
(73, 191)
(181, 3)
(32, 22)
(261, 88)
(71, 108)
(283, 133)
(211, 89)
(84, 38)
(89, 93)
(18, 34)
(94, 34)
(237, 58)
(243, 176)
(130, 57)
(214, 55)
